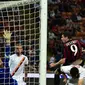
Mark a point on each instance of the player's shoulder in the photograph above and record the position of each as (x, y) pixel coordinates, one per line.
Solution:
(73, 40)
(24, 56)
(13, 55)
(70, 42)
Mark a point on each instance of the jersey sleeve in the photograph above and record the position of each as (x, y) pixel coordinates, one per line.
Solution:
(26, 60)
(7, 51)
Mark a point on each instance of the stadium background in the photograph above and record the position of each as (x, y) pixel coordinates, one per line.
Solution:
(63, 15)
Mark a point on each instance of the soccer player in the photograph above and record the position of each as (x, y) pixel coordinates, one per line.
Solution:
(76, 74)
(5, 76)
(72, 49)
(17, 64)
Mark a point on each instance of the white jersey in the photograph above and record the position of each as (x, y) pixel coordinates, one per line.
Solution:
(67, 69)
(13, 62)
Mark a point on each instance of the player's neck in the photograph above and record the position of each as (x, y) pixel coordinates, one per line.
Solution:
(67, 40)
(19, 55)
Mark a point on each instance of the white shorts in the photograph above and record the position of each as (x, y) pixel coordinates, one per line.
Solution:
(19, 79)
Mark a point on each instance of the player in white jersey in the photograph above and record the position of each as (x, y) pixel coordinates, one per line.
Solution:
(76, 73)
(17, 64)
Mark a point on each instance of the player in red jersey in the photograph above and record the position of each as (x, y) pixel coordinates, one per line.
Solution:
(72, 49)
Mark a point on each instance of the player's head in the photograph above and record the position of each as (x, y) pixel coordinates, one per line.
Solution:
(74, 72)
(65, 36)
(19, 49)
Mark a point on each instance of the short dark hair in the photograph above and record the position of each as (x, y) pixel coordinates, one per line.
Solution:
(19, 44)
(67, 34)
(74, 72)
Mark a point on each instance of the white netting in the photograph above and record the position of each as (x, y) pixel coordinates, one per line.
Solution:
(22, 18)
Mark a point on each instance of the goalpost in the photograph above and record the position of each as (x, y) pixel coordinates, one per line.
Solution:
(27, 20)
(43, 42)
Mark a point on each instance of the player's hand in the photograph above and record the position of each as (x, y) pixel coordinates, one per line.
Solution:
(7, 36)
(65, 80)
(25, 79)
(62, 61)
(52, 65)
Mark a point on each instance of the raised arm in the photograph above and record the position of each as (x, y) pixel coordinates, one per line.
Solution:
(7, 37)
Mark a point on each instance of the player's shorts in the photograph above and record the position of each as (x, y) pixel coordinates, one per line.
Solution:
(19, 79)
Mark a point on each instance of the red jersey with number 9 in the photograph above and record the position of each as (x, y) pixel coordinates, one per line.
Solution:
(73, 50)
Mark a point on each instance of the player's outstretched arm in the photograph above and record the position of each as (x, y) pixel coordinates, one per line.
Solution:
(62, 61)
(7, 37)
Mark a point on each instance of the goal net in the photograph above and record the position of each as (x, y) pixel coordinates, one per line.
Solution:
(23, 19)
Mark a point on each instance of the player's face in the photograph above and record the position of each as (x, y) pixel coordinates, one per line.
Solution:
(63, 38)
(19, 49)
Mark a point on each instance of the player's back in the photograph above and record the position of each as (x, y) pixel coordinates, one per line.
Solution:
(72, 51)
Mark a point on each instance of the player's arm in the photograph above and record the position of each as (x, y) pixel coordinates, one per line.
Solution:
(80, 82)
(81, 78)
(25, 77)
(7, 37)
(64, 77)
(61, 61)
(26, 72)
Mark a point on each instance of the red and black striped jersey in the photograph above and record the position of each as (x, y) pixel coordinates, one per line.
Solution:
(73, 50)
